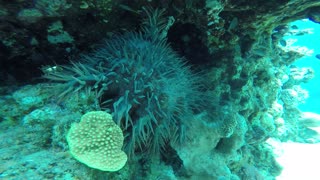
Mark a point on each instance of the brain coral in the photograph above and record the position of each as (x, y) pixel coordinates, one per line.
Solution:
(97, 141)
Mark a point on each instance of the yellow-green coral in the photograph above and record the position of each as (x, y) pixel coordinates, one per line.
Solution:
(96, 141)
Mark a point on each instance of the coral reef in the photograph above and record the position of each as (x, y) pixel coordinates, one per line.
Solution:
(199, 91)
(147, 86)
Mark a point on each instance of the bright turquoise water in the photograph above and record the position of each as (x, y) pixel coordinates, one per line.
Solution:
(311, 41)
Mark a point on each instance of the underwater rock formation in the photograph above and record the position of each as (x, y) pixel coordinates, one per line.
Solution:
(235, 47)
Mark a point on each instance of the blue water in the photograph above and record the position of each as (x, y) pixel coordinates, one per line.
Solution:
(311, 41)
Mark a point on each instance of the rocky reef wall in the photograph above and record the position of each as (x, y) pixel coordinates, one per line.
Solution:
(236, 46)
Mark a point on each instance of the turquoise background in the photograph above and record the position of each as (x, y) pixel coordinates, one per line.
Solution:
(311, 41)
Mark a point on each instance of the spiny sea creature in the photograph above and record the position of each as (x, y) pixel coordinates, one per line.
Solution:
(148, 87)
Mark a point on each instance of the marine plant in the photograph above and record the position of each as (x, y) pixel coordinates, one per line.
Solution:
(149, 88)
